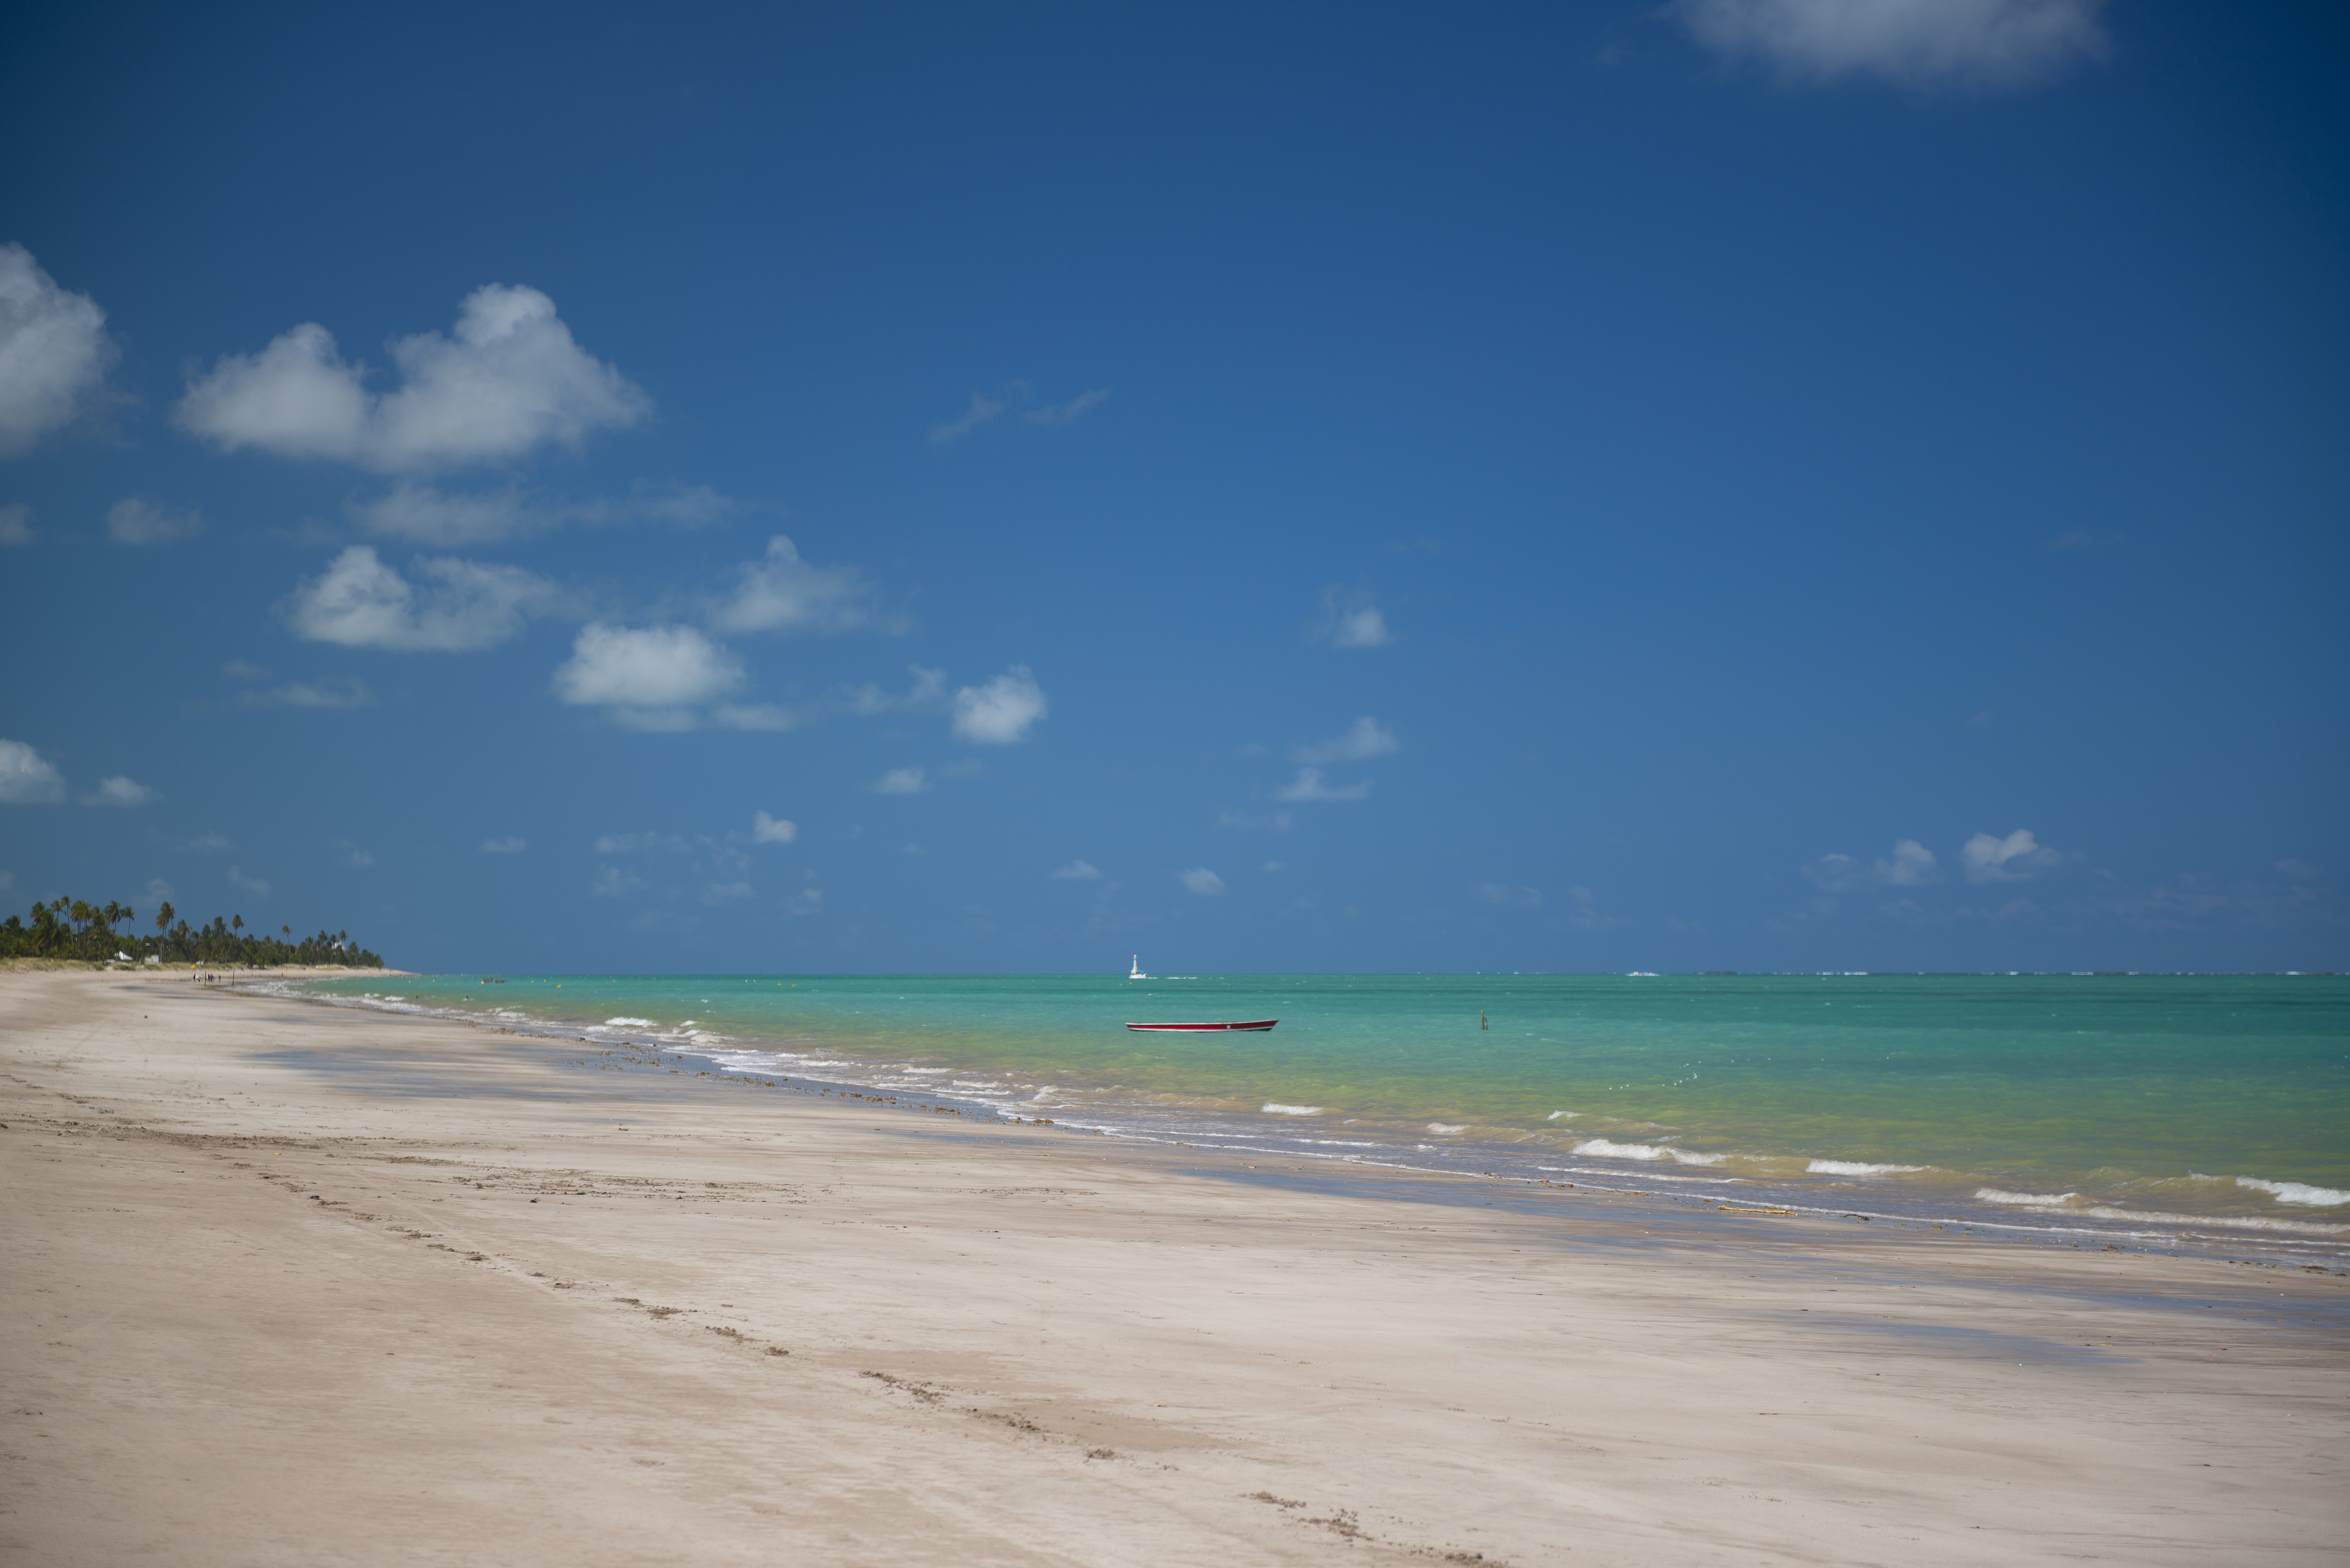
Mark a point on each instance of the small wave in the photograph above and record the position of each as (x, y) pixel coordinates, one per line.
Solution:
(1555, 1116)
(1603, 1148)
(2030, 1199)
(1857, 1167)
(627, 1023)
(1447, 1128)
(1274, 1108)
(2296, 1192)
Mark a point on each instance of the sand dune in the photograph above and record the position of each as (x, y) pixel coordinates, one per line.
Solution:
(287, 1284)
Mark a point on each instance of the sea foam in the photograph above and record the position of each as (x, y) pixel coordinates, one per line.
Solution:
(1274, 1108)
(1601, 1146)
(2028, 1199)
(2296, 1192)
(1857, 1167)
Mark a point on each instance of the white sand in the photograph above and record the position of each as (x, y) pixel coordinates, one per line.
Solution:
(292, 1285)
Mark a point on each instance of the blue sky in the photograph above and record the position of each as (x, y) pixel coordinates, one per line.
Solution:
(1740, 485)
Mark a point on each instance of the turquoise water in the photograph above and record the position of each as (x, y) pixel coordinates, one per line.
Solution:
(2204, 1102)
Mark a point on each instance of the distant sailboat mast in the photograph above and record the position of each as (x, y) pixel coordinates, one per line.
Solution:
(1137, 973)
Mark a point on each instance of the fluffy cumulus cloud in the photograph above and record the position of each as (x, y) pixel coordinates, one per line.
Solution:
(1309, 785)
(1366, 737)
(1002, 711)
(784, 593)
(2015, 859)
(1350, 618)
(1201, 880)
(765, 830)
(1077, 871)
(652, 675)
(1911, 864)
(26, 777)
(904, 780)
(54, 353)
(120, 790)
(509, 380)
(454, 606)
(135, 520)
(1981, 44)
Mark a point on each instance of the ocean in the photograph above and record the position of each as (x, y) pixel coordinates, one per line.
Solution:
(2160, 1107)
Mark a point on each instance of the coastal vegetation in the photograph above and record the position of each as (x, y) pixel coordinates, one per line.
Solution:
(97, 933)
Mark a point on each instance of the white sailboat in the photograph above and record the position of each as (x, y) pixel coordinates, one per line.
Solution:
(1137, 973)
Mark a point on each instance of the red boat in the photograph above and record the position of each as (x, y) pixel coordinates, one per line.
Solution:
(1259, 1025)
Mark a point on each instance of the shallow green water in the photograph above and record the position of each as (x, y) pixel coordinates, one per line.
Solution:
(2027, 1096)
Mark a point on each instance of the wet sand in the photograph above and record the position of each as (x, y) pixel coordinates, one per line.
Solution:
(289, 1283)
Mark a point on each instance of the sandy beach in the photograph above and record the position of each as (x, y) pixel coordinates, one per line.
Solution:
(289, 1283)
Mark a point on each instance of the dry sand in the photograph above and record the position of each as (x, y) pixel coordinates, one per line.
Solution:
(292, 1285)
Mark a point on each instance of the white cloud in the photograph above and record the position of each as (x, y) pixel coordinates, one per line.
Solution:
(509, 844)
(650, 674)
(1201, 880)
(361, 857)
(157, 889)
(611, 882)
(1067, 413)
(765, 830)
(252, 885)
(1308, 785)
(54, 353)
(1366, 738)
(1350, 618)
(904, 780)
(1077, 872)
(360, 602)
(1912, 865)
(928, 693)
(784, 593)
(1498, 893)
(348, 692)
(2014, 858)
(120, 791)
(1913, 43)
(135, 520)
(26, 777)
(427, 515)
(641, 844)
(753, 716)
(983, 408)
(15, 525)
(511, 380)
(1000, 712)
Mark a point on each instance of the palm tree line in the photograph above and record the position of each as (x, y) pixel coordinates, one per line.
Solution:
(70, 929)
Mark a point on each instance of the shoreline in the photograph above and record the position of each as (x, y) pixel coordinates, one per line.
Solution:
(365, 1286)
(2054, 1219)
